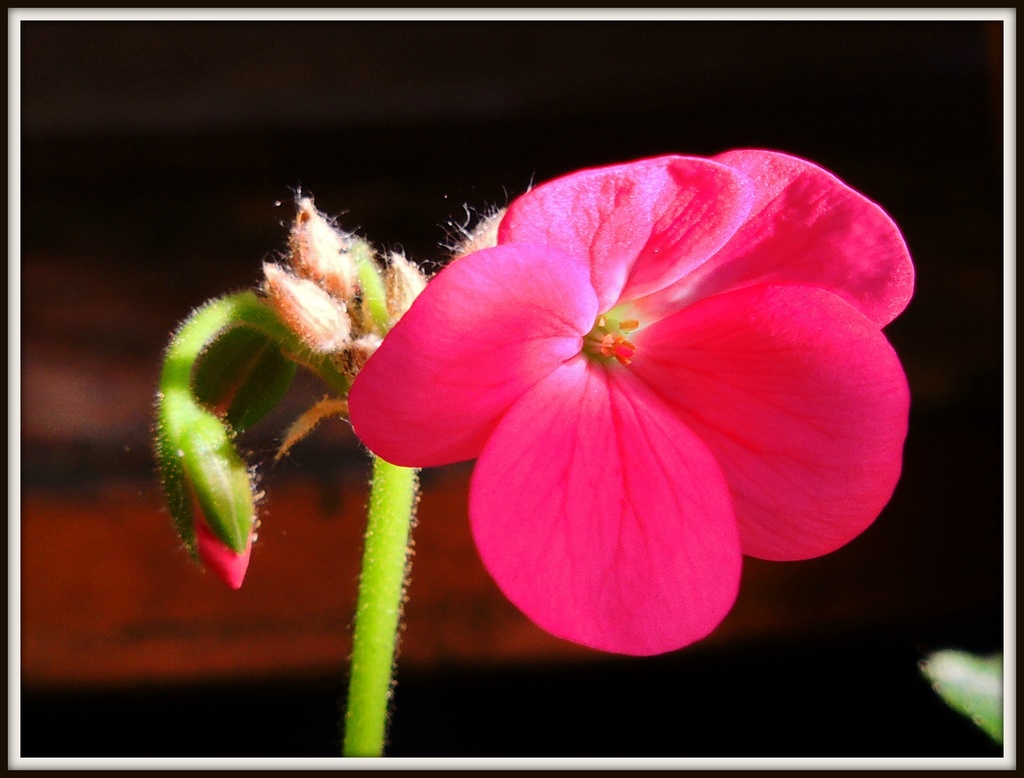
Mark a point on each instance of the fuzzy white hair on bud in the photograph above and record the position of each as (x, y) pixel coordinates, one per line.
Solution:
(361, 350)
(320, 252)
(318, 318)
(404, 282)
(483, 235)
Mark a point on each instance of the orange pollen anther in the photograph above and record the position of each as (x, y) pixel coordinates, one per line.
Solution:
(606, 340)
(618, 347)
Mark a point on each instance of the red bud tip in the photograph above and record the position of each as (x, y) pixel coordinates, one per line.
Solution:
(228, 565)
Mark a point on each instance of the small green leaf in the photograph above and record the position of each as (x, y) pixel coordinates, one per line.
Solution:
(971, 685)
(242, 375)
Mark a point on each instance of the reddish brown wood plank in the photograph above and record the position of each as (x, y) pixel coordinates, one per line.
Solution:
(109, 597)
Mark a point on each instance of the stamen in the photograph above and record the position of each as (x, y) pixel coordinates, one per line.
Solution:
(606, 340)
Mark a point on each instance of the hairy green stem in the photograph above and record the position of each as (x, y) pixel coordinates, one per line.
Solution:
(379, 606)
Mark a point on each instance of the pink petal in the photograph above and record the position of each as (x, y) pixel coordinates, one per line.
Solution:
(224, 562)
(801, 399)
(603, 518)
(807, 227)
(640, 225)
(488, 327)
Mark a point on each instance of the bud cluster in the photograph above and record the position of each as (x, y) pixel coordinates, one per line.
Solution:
(328, 291)
(335, 297)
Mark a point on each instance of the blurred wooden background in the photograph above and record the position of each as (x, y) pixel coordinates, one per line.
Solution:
(153, 158)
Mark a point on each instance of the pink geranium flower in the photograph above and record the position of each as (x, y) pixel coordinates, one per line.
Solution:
(661, 366)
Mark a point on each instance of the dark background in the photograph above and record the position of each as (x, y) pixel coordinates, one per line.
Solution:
(152, 154)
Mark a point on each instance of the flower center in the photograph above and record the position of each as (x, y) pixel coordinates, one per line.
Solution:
(607, 341)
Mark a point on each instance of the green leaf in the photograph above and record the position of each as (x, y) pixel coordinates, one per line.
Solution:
(242, 375)
(971, 685)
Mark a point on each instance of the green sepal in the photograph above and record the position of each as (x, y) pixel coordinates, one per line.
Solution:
(971, 685)
(219, 480)
(202, 472)
(176, 486)
(242, 375)
(374, 291)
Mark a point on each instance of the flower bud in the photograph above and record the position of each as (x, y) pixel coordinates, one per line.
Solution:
(361, 350)
(318, 318)
(404, 283)
(320, 253)
(226, 563)
(209, 488)
(483, 236)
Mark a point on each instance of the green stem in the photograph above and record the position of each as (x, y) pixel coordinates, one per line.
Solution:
(379, 606)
